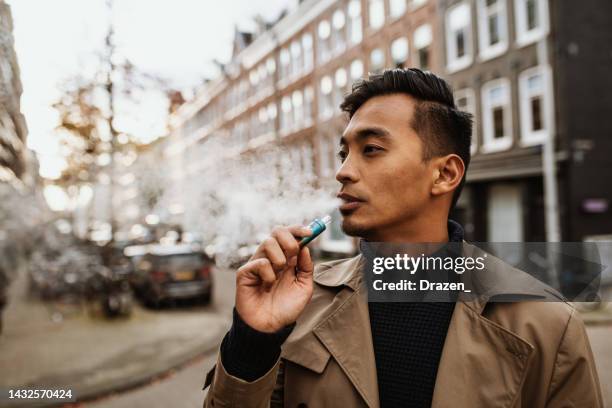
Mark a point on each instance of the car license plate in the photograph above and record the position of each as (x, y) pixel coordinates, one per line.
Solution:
(183, 275)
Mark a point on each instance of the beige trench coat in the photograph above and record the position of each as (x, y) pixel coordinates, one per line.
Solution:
(523, 354)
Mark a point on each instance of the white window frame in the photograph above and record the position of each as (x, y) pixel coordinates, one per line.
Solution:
(307, 49)
(371, 5)
(355, 70)
(308, 105)
(453, 63)
(395, 10)
(415, 4)
(422, 38)
(489, 142)
(470, 96)
(393, 45)
(324, 41)
(325, 111)
(530, 137)
(339, 31)
(523, 36)
(487, 51)
(354, 22)
(377, 50)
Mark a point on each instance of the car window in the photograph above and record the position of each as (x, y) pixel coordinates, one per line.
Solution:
(184, 261)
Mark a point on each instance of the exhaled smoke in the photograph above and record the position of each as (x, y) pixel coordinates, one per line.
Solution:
(234, 199)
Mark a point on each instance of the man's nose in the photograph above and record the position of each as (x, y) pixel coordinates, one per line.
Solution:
(347, 173)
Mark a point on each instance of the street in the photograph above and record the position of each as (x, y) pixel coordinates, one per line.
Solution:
(182, 388)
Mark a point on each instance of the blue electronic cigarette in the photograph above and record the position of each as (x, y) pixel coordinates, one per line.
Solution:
(317, 226)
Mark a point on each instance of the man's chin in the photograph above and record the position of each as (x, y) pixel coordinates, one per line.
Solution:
(353, 228)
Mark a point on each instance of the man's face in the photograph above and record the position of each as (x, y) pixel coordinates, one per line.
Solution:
(385, 182)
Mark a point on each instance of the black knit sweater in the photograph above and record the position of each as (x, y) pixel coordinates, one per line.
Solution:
(408, 339)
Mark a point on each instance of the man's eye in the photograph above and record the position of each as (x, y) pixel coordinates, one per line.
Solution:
(342, 155)
(371, 149)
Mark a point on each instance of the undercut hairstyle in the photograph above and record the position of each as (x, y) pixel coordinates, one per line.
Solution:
(442, 128)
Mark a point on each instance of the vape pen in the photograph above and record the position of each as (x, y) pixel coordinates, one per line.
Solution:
(317, 226)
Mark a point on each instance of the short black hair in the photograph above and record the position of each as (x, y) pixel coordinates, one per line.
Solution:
(442, 127)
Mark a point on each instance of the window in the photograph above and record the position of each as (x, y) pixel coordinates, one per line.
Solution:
(354, 21)
(534, 95)
(356, 70)
(298, 112)
(496, 115)
(254, 77)
(416, 3)
(377, 60)
(307, 49)
(458, 37)
(531, 20)
(340, 88)
(308, 100)
(285, 60)
(263, 120)
(286, 119)
(326, 147)
(272, 111)
(492, 27)
(263, 75)
(339, 31)
(296, 57)
(326, 101)
(397, 8)
(324, 32)
(399, 52)
(376, 13)
(422, 43)
(466, 101)
(271, 66)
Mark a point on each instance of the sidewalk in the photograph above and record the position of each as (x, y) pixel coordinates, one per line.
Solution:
(599, 316)
(66, 348)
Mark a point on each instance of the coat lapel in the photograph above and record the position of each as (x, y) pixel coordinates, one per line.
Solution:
(338, 328)
(348, 337)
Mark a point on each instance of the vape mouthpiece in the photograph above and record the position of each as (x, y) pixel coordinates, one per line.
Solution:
(317, 226)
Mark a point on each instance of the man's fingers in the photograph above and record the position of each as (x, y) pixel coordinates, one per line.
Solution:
(274, 253)
(287, 242)
(299, 231)
(304, 261)
(259, 268)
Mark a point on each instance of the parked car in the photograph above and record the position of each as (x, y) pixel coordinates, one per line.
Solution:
(166, 272)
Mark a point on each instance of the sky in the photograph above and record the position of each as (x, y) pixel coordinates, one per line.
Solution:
(175, 39)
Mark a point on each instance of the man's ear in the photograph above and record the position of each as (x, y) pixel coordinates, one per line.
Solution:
(447, 174)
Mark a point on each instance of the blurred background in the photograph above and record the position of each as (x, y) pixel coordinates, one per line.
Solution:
(147, 147)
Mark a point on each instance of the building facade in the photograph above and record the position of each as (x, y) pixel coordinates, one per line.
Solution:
(517, 65)
(13, 130)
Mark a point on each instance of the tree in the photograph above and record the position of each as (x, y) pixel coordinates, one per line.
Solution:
(94, 116)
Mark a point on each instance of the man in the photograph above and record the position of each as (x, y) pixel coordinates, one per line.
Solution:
(308, 337)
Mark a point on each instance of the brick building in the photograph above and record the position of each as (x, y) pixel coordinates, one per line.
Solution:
(525, 68)
(532, 72)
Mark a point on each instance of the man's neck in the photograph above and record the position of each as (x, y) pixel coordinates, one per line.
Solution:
(423, 229)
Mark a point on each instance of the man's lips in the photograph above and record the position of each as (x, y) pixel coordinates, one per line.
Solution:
(350, 202)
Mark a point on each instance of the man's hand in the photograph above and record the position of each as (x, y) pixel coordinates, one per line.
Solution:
(275, 285)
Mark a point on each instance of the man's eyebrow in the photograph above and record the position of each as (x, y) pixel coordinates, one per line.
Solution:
(364, 133)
